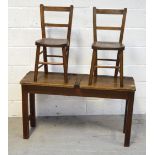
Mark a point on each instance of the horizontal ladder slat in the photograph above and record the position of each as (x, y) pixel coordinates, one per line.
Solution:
(59, 56)
(107, 28)
(106, 67)
(110, 11)
(51, 63)
(55, 8)
(55, 25)
(107, 59)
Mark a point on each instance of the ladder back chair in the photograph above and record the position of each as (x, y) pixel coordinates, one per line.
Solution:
(53, 42)
(99, 45)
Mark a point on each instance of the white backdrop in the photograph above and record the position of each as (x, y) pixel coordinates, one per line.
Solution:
(24, 29)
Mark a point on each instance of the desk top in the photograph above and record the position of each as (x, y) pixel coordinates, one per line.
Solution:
(78, 80)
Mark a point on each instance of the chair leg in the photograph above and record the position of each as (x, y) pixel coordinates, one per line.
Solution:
(117, 64)
(25, 113)
(45, 59)
(67, 51)
(121, 69)
(129, 119)
(32, 110)
(36, 63)
(125, 116)
(65, 64)
(92, 67)
(95, 70)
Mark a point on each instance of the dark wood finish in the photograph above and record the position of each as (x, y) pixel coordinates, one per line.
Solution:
(121, 69)
(25, 113)
(94, 24)
(53, 83)
(70, 24)
(123, 25)
(45, 42)
(92, 67)
(65, 64)
(129, 119)
(95, 69)
(45, 59)
(36, 63)
(42, 19)
(32, 110)
(100, 45)
(117, 64)
(125, 117)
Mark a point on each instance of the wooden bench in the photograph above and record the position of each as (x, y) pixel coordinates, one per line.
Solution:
(53, 83)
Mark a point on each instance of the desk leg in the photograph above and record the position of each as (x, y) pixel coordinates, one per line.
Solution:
(25, 113)
(125, 116)
(129, 119)
(32, 110)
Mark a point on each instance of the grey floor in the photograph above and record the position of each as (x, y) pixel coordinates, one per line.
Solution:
(77, 135)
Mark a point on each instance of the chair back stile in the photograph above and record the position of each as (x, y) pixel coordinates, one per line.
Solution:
(94, 24)
(123, 25)
(110, 12)
(56, 9)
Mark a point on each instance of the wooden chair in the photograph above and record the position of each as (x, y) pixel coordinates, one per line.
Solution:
(53, 42)
(98, 45)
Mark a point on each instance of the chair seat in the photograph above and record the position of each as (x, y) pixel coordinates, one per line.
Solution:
(107, 45)
(52, 42)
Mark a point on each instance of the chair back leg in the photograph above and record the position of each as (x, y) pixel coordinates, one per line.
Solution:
(36, 63)
(117, 64)
(65, 64)
(93, 62)
(45, 59)
(121, 69)
(95, 69)
(67, 51)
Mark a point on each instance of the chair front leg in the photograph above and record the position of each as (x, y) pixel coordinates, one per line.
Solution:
(45, 59)
(32, 110)
(25, 113)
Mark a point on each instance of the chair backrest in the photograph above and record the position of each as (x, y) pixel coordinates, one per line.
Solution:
(110, 12)
(57, 9)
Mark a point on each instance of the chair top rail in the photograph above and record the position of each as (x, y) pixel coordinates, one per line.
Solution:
(111, 11)
(57, 8)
